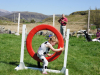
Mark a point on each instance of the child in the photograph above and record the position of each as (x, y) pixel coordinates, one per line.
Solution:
(44, 49)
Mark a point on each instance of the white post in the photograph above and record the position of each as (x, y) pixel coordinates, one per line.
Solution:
(66, 73)
(88, 22)
(53, 20)
(18, 25)
(66, 48)
(21, 65)
(22, 43)
(66, 53)
(18, 22)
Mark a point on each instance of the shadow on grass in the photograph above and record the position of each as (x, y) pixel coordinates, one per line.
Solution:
(17, 63)
(11, 63)
(31, 65)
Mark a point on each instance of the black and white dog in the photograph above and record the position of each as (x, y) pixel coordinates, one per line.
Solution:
(88, 38)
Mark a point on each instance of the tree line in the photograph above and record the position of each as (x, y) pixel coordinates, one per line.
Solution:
(25, 21)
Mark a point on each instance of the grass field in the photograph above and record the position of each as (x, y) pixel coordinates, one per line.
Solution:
(83, 56)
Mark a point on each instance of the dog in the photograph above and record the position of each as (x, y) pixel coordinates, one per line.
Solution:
(88, 38)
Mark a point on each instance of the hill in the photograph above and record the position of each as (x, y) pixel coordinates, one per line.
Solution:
(76, 21)
(27, 16)
(72, 19)
(4, 12)
(6, 15)
(79, 13)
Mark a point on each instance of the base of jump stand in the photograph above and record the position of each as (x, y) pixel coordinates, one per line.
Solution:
(64, 70)
(17, 34)
(21, 66)
(48, 70)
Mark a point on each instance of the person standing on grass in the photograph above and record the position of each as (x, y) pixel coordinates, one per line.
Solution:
(63, 21)
(44, 49)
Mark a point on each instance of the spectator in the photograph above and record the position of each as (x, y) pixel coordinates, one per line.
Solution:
(97, 35)
(63, 21)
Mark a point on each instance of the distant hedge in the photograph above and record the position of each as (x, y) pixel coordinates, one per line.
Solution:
(94, 17)
(80, 13)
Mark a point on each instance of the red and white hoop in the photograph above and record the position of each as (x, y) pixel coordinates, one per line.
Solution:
(31, 35)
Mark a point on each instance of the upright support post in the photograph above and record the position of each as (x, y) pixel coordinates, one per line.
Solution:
(22, 44)
(18, 25)
(88, 22)
(64, 70)
(66, 48)
(53, 20)
(21, 65)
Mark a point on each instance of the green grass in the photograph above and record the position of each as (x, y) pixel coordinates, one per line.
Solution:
(83, 56)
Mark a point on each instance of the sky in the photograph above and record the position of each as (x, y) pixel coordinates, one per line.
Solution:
(49, 7)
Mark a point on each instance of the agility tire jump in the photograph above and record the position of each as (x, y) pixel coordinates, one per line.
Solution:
(31, 35)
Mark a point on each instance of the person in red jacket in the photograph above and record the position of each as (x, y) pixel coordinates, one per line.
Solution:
(63, 21)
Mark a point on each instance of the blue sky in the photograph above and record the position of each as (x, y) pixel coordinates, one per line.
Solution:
(49, 7)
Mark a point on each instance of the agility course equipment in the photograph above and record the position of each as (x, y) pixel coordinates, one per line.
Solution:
(33, 32)
(88, 22)
(18, 24)
(53, 57)
(53, 20)
(21, 64)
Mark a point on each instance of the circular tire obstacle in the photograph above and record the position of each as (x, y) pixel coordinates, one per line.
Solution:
(31, 35)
